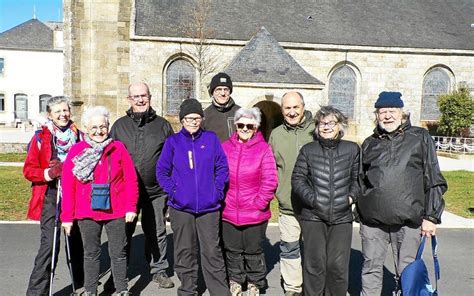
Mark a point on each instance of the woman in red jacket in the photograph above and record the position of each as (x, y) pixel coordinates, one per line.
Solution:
(253, 181)
(47, 151)
(100, 161)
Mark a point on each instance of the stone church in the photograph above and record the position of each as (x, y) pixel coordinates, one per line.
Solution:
(340, 52)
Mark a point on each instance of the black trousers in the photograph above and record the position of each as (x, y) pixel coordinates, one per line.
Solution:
(191, 234)
(326, 258)
(40, 276)
(244, 257)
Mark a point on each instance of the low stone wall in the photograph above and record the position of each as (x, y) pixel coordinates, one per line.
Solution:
(13, 147)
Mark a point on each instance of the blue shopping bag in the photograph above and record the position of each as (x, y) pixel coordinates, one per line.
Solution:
(415, 280)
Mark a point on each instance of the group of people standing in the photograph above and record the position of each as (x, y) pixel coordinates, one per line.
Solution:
(218, 176)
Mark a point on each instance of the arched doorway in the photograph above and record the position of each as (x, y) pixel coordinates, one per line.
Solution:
(271, 117)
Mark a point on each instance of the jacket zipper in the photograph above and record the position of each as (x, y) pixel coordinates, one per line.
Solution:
(195, 175)
(331, 184)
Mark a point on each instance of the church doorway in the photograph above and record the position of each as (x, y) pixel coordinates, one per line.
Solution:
(271, 117)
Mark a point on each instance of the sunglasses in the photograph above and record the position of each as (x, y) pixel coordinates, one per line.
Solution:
(248, 125)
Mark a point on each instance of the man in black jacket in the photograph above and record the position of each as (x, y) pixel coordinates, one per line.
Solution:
(144, 132)
(402, 191)
(219, 116)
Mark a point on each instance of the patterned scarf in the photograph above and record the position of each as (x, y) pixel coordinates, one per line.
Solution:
(64, 138)
(86, 161)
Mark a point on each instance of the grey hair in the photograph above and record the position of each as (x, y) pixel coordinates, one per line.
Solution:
(252, 113)
(94, 111)
(298, 93)
(57, 100)
(342, 119)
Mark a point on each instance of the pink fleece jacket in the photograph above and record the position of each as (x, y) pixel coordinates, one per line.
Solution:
(253, 180)
(76, 196)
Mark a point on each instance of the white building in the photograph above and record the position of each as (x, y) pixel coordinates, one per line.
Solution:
(31, 71)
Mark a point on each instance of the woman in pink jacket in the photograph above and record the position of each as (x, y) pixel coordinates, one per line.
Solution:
(253, 181)
(100, 160)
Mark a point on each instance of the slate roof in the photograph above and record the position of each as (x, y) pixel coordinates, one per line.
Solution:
(31, 34)
(434, 24)
(263, 60)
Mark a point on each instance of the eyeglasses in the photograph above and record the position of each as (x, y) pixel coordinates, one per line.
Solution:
(329, 124)
(248, 125)
(135, 98)
(191, 119)
(222, 89)
(95, 129)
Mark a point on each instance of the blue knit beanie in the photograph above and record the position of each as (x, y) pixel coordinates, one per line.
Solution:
(389, 99)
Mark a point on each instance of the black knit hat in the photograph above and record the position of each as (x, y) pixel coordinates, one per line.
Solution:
(190, 106)
(220, 79)
(389, 99)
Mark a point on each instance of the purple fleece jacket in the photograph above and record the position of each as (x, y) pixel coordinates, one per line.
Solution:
(193, 170)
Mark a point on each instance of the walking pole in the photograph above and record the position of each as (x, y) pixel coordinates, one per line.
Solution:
(56, 222)
(68, 261)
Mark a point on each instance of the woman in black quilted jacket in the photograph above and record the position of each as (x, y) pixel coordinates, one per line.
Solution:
(325, 181)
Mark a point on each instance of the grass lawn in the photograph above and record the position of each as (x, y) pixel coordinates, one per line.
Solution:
(12, 157)
(15, 193)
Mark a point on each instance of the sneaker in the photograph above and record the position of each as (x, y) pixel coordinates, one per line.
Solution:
(235, 288)
(163, 280)
(292, 293)
(124, 293)
(253, 290)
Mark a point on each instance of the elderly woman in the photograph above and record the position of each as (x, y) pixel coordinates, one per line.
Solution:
(47, 151)
(100, 190)
(325, 180)
(253, 181)
(193, 170)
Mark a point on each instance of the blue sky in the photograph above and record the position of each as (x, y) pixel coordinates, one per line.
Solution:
(15, 12)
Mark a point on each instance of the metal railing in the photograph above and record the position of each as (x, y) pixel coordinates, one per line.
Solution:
(454, 144)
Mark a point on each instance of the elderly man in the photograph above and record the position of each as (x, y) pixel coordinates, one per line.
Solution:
(219, 116)
(144, 133)
(402, 191)
(286, 141)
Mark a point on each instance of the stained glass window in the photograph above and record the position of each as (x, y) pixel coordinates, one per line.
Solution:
(342, 90)
(436, 83)
(180, 85)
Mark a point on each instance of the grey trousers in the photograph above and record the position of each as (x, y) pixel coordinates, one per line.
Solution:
(91, 231)
(404, 241)
(191, 234)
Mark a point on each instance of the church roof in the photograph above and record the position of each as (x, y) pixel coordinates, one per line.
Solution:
(31, 34)
(434, 24)
(263, 60)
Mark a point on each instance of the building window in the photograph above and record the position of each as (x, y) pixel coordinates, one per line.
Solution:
(2, 102)
(180, 84)
(342, 90)
(21, 106)
(43, 99)
(2, 65)
(436, 83)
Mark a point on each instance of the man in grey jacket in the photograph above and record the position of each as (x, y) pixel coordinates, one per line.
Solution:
(286, 141)
(402, 191)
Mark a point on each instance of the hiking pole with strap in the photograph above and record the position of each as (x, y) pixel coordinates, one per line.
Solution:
(55, 236)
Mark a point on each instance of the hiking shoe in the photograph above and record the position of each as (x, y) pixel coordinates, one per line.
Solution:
(292, 293)
(124, 293)
(253, 290)
(235, 288)
(163, 280)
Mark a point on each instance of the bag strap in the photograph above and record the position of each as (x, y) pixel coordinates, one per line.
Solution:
(434, 250)
(108, 168)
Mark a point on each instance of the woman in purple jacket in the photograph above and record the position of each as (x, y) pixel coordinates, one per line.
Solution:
(253, 181)
(193, 171)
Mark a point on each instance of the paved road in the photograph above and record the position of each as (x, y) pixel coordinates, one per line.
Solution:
(18, 244)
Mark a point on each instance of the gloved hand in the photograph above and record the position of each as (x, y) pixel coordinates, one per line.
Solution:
(55, 169)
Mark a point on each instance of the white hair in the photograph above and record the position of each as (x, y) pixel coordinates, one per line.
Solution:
(94, 111)
(252, 113)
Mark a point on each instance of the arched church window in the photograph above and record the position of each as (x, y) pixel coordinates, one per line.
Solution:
(180, 85)
(342, 90)
(436, 83)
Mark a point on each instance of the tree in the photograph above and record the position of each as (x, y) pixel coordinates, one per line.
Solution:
(457, 111)
(199, 30)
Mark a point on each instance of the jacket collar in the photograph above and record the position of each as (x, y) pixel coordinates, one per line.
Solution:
(188, 135)
(142, 117)
(308, 118)
(383, 134)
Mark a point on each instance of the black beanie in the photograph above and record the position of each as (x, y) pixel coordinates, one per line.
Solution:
(389, 99)
(190, 106)
(220, 79)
